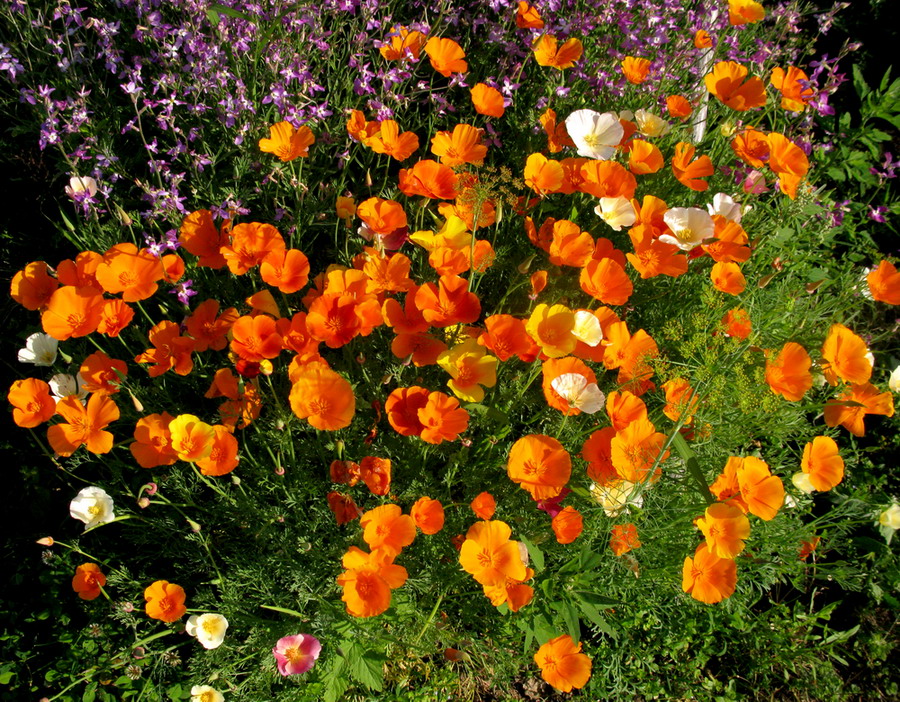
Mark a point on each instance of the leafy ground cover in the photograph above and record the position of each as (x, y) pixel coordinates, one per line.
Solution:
(481, 351)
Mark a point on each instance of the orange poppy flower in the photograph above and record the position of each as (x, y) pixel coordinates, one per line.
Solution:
(102, 374)
(223, 457)
(725, 527)
(807, 547)
(547, 52)
(543, 175)
(470, 368)
(681, 400)
(623, 538)
(285, 269)
(462, 145)
(376, 474)
(606, 280)
(489, 555)
(597, 452)
(688, 173)
(551, 369)
(528, 17)
(635, 69)
(255, 338)
(368, 581)
(844, 356)
(133, 273)
(607, 179)
(333, 319)
(449, 302)
(173, 268)
(635, 449)
(513, 593)
(726, 487)
(488, 101)
(323, 397)
(708, 578)
(540, 465)
(678, 107)
(403, 44)
(344, 472)
(388, 140)
(199, 236)
(32, 403)
(730, 244)
(446, 56)
(442, 419)
(382, 216)
(789, 161)
(359, 129)
(170, 350)
(191, 439)
(250, 244)
(567, 525)
(428, 515)
(343, 507)
(422, 348)
(570, 246)
(538, 282)
(562, 664)
(727, 83)
(644, 157)
(72, 312)
(884, 283)
(736, 323)
(788, 375)
(286, 142)
(702, 40)
(114, 317)
(209, 328)
(745, 12)
(752, 147)
(165, 601)
(851, 407)
(387, 530)
(727, 278)
(402, 408)
(653, 257)
(88, 581)
(85, 425)
(33, 285)
(80, 272)
(624, 408)
(430, 179)
(823, 463)
(631, 354)
(484, 506)
(762, 492)
(152, 445)
(794, 96)
(557, 134)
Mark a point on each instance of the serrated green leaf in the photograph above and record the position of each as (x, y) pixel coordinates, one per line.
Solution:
(594, 617)
(336, 680)
(368, 669)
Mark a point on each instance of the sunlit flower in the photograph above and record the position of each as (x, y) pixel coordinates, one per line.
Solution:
(595, 135)
(208, 628)
(286, 142)
(562, 664)
(40, 349)
(650, 124)
(890, 518)
(617, 212)
(205, 693)
(296, 654)
(578, 392)
(165, 601)
(707, 577)
(690, 226)
(88, 581)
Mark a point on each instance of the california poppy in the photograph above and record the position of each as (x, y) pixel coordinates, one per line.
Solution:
(32, 403)
(702, 40)
(597, 453)
(606, 281)
(388, 140)
(85, 425)
(223, 457)
(570, 395)
(170, 351)
(88, 581)
(286, 142)
(543, 175)
(428, 515)
(484, 505)
(489, 555)
(844, 356)
(382, 216)
(402, 44)
(199, 236)
(635, 69)
(376, 474)
(727, 83)
(114, 317)
(208, 328)
(788, 374)
(623, 538)
(567, 525)
(752, 147)
(190, 438)
(736, 323)
(762, 492)
(442, 419)
(644, 157)
(557, 134)
(33, 285)
(255, 338)
(462, 145)
(678, 107)
(540, 465)
(165, 601)
(72, 312)
(152, 445)
(745, 12)
(428, 178)
(850, 407)
(367, 581)
(449, 302)
(570, 246)
(285, 269)
(133, 273)
(725, 528)
(707, 577)
(470, 368)
(727, 278)
(446, 56)
(607, 179)
(323, 397)
(636, 448)
(527, 16)
(689, 172)
(387, 530)
(551, 328)
(506, 337)
(487, 101)
(681, 400)
(102, 374)
(562, 664)
(789, 161)
(359, 129)
(823, 463)
(343, 507)
(547, 52)
(250, 243)
(884, 283)
(793, 85)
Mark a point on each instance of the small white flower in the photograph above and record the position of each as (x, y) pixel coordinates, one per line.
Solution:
(651, 125)
(92, 506)
(83, 184)
(617, 212)
(587, 328)
(575, 389)
(40, 349)
(894, 382)
(890, 518)
(208, 628)
(690, 226)
(205, 693)
(802, 482)
(725, 206)
(615, 496)
(62, 385)
(595, 135)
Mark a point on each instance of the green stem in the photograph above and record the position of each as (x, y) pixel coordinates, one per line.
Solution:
(693, 466)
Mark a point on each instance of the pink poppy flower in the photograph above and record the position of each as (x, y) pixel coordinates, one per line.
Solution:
(296, 654)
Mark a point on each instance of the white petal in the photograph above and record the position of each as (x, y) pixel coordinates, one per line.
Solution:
(587, 328)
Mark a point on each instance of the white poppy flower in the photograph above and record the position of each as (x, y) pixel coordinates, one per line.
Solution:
(575, 389)
(615, 496)
(595, 135)
(802, 482)
(617, 212)
(82, 184)
(690, 226)
(894, 382)
(651, 125)
(725, 205)
(92, 506)
(587, 328)
(890, 517)
(62, 385)
(205, 693)
(208, 628)
(40, 349)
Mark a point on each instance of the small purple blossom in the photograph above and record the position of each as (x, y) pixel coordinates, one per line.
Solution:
(184, 291)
